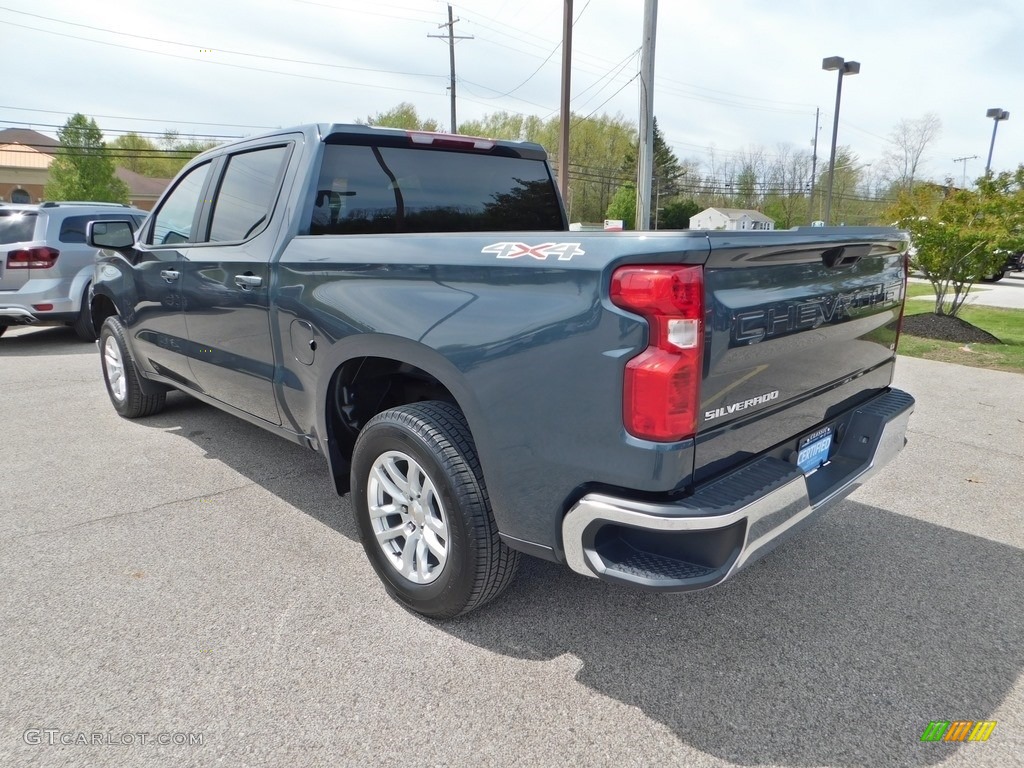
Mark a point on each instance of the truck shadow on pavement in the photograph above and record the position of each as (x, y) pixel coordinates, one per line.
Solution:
(837, 649)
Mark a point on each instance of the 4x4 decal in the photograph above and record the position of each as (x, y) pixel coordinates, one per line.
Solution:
(564, 251)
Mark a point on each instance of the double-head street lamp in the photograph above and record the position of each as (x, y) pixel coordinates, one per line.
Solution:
(831, 64)
(996, 114)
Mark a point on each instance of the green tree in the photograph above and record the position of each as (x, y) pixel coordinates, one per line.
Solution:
(676, 214)
(958, 234)
(403, 116)
(596, 148)
(82, 169)
(177, 152)
(667, 171)
(623, 206)
(136, 153)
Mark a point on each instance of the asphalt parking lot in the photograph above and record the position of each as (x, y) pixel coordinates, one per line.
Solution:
(192, 574)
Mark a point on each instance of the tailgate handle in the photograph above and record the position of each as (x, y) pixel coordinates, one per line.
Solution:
(835, 258)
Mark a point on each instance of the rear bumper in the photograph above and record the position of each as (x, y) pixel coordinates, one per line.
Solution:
(731, 521)
(15, 316)
(62, 294)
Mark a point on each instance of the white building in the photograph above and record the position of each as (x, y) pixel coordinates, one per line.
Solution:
(730, 218)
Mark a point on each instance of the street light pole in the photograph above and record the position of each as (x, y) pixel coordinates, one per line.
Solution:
(996, 114)
(833, 63)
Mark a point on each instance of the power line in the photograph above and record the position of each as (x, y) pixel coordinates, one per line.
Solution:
(610, 78)
(194, 46)
(221, 63)
(634, 77)
(140, 119)
(127, 131)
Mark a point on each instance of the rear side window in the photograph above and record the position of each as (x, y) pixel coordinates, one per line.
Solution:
(72, 230)
(247, 193)
(365, 190)
(16, 226)
(173, 222)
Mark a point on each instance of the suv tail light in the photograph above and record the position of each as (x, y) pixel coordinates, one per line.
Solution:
(661, 391)
(32, 258)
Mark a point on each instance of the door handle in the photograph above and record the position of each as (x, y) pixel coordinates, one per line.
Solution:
(170, 275)
(245, 282)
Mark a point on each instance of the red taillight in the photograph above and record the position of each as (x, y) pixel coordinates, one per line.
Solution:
(32, 258)
(449, 140)
(661, 390)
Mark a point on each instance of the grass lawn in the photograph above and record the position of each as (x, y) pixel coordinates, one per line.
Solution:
(1005, 324)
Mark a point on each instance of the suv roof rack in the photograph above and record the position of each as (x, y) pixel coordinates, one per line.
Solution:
(58, 203)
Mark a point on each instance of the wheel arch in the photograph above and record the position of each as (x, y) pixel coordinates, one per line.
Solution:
(102, 307)
(373, 372)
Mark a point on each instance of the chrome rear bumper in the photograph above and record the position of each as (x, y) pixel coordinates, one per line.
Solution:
(726, 524)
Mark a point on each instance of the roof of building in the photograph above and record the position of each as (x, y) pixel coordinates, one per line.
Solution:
(29, 138)
(738, 213)
(141, 186)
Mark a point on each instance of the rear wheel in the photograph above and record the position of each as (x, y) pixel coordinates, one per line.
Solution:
(83, 323)
(122, 377)
(3, 330)
(423, 512)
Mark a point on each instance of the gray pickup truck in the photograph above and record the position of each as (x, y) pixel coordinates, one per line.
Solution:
(655, 409)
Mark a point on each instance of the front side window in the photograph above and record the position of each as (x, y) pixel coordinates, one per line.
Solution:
(173, 222)
(247, 193)
(364, 190)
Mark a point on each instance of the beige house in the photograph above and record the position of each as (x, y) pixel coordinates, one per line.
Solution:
(25, 157)
(732, 219)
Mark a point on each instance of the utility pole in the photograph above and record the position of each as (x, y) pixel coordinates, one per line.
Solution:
(814, 156)
(563, 139)
(645, 157)
(964, 160)
(452, 37)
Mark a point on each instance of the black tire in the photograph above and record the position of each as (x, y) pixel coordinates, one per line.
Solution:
(83, 323)
(993, 278)
(3, 329)
(124, 388)
(478, 565)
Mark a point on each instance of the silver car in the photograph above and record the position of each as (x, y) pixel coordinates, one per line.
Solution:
(45, 264)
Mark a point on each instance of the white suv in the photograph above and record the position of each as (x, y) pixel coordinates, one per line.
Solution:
(45, 264)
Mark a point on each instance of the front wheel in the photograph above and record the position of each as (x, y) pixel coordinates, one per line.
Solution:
(423, 513)
(122, 377)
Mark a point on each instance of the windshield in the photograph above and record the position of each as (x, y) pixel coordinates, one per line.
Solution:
(16, 226)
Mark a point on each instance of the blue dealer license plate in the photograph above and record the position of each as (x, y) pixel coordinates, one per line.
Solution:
(814, 448)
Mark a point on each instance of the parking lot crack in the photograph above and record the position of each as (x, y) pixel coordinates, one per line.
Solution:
(966, 443)
(106, 518)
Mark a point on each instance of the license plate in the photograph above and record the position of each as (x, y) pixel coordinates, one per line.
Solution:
(813, 450)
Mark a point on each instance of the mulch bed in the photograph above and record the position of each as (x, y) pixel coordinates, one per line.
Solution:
(944, 328)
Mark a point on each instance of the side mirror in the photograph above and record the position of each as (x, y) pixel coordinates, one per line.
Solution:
(114, 235)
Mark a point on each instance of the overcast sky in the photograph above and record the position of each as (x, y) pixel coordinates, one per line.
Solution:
(728, 75)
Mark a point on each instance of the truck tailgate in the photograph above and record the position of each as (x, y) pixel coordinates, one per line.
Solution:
(798, 332)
